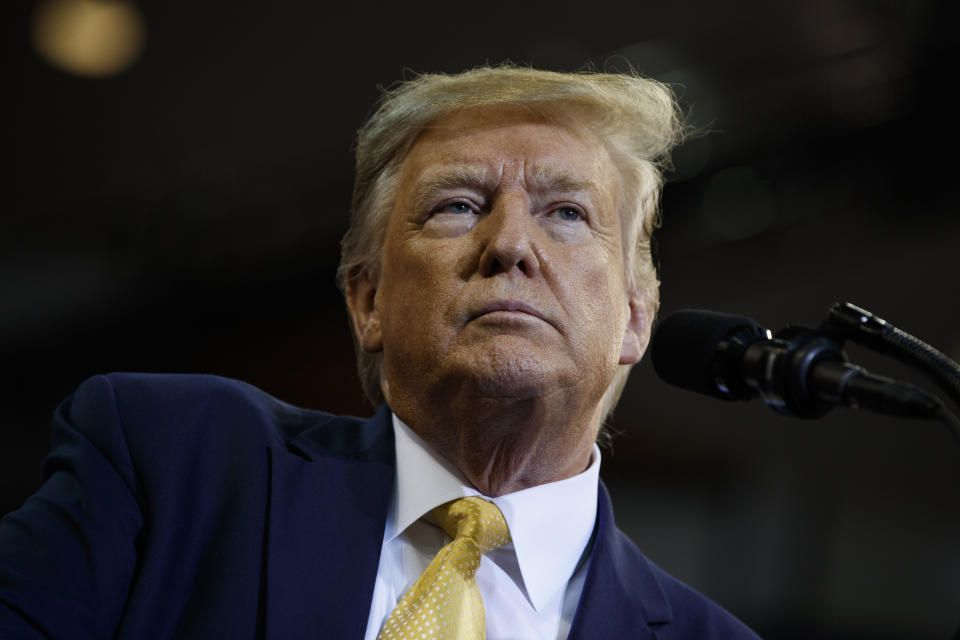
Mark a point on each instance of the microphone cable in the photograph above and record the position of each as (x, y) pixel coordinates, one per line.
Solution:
(864, 328)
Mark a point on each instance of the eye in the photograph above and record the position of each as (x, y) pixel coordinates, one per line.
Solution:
(456, 207)
(568, 214)
(452, 217)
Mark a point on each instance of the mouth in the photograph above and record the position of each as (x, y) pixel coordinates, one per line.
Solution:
(507, 308)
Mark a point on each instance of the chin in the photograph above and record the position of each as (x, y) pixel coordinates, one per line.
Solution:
(501, 371)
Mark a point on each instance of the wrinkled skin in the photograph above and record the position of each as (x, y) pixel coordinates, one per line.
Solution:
(502, 310)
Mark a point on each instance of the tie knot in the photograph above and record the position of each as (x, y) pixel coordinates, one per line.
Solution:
(474, 518)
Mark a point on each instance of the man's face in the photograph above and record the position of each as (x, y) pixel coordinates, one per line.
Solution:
(503, 270)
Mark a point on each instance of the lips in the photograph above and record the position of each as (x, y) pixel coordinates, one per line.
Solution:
(513, 306)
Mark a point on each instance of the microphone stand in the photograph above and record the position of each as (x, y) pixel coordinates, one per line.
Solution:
(862, 327)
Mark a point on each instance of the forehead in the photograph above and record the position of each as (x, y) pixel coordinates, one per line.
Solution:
(500, 139)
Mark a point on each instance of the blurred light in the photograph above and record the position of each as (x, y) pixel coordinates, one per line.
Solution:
(91, 38)
(862, 89)
(658, 61)
(837, 28)
(737, 203)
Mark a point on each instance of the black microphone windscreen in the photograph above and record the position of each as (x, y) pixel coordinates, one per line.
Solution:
(684, 347)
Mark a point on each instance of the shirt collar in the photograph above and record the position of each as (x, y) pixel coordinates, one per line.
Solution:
(550, 524)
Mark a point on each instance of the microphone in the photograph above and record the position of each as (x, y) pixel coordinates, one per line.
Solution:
(797, 371)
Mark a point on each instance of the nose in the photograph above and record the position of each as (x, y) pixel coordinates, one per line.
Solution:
(509, 238)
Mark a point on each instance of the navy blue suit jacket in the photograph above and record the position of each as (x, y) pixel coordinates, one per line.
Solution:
(199, 507)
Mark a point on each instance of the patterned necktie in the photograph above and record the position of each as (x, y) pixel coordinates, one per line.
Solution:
(444, 603)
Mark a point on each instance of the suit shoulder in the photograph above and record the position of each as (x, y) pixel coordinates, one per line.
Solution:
(194, 405)
(695, 615)
(673, 608)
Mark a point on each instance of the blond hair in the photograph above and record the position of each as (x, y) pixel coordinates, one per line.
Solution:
(638, 119)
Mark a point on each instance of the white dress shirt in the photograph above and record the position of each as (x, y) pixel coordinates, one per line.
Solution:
(531, 586)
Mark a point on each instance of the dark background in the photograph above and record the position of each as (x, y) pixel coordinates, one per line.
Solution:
(185, 215)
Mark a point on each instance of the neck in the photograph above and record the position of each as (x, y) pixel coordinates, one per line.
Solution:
(505, 445)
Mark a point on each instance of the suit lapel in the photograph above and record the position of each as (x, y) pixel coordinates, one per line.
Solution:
(621, 596)
(329, 494)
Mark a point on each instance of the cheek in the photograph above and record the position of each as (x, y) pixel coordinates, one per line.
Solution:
(603, 301)
(602, 272)
(434, 267)
(419, 286)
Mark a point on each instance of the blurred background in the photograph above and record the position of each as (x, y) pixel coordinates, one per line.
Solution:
(181, 176)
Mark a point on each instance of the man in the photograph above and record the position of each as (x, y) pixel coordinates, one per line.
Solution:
(498, 277)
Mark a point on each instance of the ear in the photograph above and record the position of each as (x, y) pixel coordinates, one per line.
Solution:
(364, 312)
(637, 334)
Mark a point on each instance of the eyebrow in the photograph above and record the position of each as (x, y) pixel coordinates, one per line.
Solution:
(551, 178)
(450, 177)
(541, 179)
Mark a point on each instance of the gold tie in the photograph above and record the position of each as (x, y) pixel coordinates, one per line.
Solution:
(444, 603)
